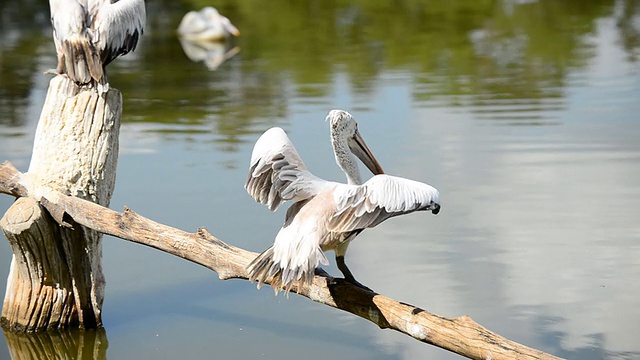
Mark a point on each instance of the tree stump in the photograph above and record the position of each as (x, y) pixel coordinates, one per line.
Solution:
(57, 270)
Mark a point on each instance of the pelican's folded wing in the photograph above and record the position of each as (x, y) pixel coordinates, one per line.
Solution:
(117, 26)
(382, 197)
(73, 45)
(277, 173)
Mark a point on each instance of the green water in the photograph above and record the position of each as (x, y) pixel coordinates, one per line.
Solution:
(524, 114)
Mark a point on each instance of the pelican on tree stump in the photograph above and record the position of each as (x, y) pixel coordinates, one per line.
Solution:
(90, 34)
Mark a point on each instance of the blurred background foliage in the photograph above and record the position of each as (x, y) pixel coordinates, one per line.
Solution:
(470, 53)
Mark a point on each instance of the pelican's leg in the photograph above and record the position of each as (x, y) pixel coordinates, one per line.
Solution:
(59, 68)
(342, 266)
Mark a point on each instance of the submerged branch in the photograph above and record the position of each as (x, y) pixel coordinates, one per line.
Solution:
(460, 335)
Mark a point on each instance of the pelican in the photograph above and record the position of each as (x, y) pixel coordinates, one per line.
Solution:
(89, 34)
(325, 215)
(206, 25)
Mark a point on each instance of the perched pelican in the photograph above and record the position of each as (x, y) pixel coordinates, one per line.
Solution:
(206, 25)
(325, 215)
(89, 34)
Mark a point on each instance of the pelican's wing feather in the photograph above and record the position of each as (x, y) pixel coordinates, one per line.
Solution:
(382, 197)
(69, 19)
(277, 173)
(117, 26)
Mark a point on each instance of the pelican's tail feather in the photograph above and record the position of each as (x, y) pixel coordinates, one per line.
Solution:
(265, 269)
(82, 61)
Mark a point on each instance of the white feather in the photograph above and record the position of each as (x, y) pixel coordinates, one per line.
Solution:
(117, 26)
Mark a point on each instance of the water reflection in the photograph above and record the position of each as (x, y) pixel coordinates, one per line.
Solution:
(65, 344)
(211, 53)
(496, 57)
(522, 113)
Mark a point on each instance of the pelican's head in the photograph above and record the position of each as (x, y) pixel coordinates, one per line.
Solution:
(345, 134)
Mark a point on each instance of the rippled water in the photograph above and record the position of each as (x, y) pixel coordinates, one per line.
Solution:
(524, 114)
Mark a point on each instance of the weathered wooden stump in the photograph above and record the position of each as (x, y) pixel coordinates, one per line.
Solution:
(56, 277)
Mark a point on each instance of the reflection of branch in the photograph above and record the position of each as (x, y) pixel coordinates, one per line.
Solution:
(59, 344)
(460, 335)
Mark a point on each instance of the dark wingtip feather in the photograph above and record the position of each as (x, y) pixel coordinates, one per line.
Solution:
(435, 209)
(262, 268)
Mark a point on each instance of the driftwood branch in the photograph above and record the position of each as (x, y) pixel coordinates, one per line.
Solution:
(460, 335)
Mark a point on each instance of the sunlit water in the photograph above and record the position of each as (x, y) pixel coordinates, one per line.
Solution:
(530, 132)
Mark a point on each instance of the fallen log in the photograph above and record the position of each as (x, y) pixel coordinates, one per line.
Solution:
(460, 335)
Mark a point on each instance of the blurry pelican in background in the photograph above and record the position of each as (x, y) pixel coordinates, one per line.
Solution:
(203, 36)
(324, 215)
(206, 25)
(90, 34)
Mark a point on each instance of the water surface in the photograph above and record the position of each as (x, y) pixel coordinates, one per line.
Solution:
(524, 114)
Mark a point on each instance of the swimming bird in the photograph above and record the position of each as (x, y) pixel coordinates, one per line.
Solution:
(90, 34)
(325, 215)
(206, 25)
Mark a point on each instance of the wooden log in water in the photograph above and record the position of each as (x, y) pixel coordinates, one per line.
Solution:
(461, 335)
(57, 270)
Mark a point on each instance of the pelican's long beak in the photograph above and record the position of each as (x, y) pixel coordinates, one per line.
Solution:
(360, 149)
(229, 27)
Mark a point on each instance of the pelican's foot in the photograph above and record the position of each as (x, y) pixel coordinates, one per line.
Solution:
(358, 284)
(348, 276)
(331, 281)
(320, 272)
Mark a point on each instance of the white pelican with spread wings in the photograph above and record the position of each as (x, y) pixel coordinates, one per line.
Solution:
(325, 215)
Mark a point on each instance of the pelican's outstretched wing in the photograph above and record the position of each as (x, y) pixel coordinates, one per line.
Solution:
(382, 197)
(117, 26)
(277, 173)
